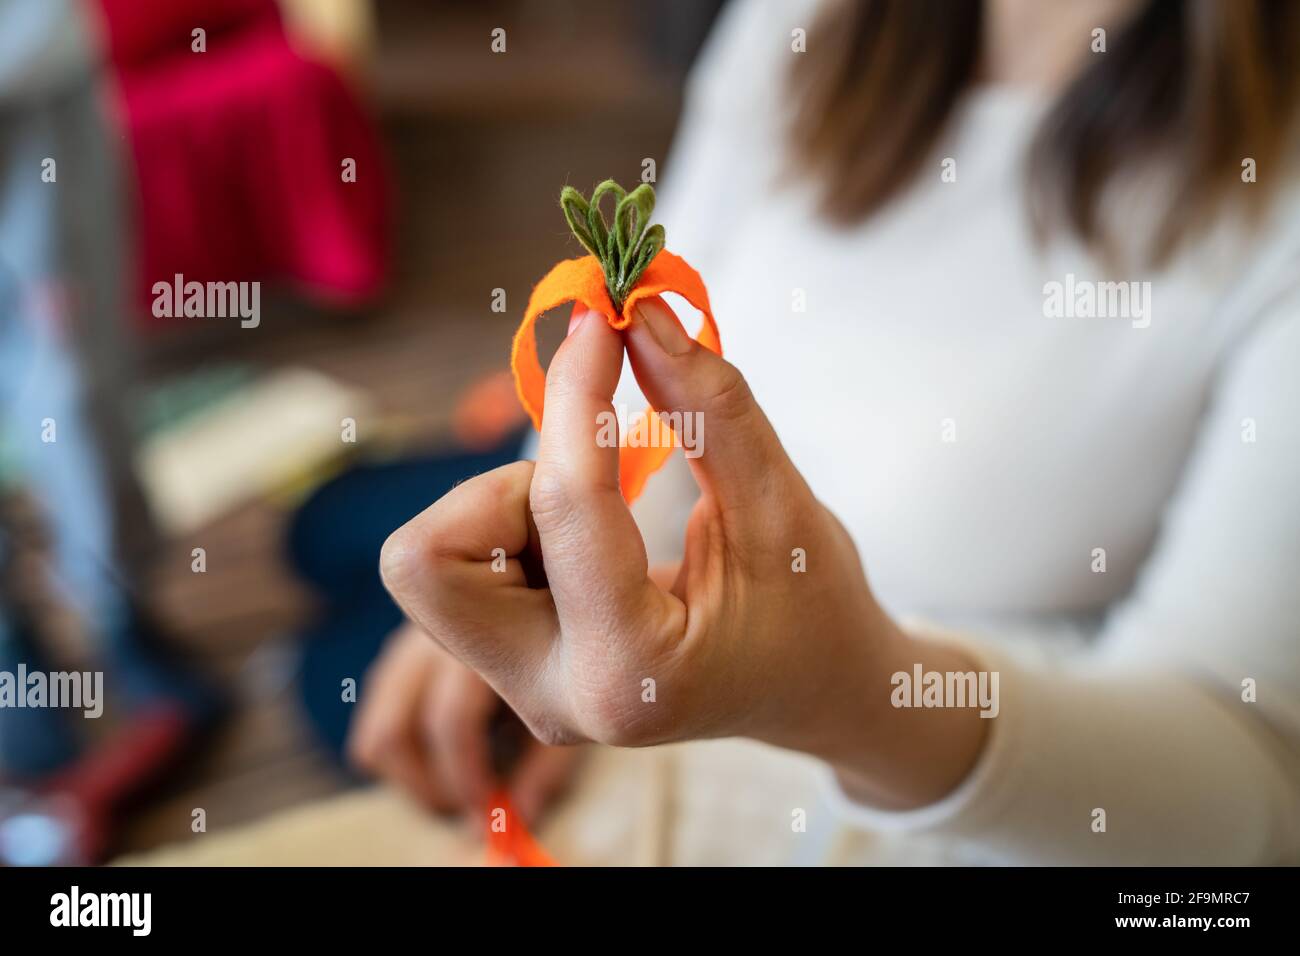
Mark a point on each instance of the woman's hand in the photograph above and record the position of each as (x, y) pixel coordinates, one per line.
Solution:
(424, 725)
(572, 631)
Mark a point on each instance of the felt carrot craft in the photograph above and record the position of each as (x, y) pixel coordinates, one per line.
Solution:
(627, 262)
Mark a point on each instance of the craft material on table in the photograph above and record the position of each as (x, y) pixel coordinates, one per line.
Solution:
(260, 438)
(508, 841)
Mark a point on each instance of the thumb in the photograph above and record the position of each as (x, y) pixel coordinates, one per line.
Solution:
(736, 455)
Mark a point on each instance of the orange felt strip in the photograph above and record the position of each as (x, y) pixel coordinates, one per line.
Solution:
(580, 280)
(513, 845)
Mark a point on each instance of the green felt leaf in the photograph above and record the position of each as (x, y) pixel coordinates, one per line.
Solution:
(576, 215)
(625, 249)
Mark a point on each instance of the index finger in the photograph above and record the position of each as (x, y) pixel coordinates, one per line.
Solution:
(595, 558)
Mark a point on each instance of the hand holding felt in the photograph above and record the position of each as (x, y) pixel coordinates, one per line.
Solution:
(572, 630)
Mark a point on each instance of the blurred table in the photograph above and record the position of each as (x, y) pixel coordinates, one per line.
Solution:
(711, 803)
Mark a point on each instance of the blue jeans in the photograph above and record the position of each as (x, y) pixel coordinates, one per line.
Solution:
(334, 543)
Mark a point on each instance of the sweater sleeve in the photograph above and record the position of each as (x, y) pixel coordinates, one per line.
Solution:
(1182, 721)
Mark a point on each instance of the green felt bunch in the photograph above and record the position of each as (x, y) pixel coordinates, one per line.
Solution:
(626, 249)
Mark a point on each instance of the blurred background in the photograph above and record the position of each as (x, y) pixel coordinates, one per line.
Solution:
(172, 489)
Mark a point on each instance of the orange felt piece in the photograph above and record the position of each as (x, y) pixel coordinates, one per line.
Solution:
(581, 280)
(512, 844)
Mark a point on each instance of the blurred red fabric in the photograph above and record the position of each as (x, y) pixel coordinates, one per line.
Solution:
(239, 153)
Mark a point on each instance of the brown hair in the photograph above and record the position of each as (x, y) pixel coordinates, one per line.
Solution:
(1198, 84)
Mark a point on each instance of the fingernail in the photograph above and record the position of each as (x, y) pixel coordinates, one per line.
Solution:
(664, 329)
(578, 318)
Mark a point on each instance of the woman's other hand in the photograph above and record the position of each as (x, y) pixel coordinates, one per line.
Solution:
(424, 725)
